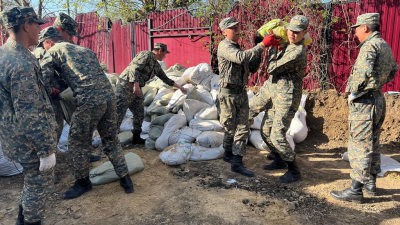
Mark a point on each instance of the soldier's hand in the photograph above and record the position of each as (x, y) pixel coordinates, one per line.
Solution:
(251, 121)
(270, 40)
(136, 89)
(47, 162)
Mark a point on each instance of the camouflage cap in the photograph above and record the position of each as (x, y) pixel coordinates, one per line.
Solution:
(47, 33)
(298, 23)
(19, 15)
(162, 46)
(227, 22)
(67, 23)
(367, 18)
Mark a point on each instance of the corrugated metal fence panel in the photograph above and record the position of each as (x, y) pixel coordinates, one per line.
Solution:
(343, 49)
(122, 46)
(102, 42)
(141, 37)
(186, 37)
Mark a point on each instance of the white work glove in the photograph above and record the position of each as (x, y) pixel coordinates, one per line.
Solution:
(352, 97)
(48, 162)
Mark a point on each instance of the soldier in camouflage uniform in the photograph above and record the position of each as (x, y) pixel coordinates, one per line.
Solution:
(56, 85)
(142, 68)
(280, 96)
(375, 66)
(235, 66)
(66, 26)
(27, 126)
(95, 108)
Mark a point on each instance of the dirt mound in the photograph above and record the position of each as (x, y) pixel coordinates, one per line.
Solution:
(327, 116)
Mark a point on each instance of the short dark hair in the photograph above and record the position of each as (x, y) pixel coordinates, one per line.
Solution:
(373, 27)
(15, 29)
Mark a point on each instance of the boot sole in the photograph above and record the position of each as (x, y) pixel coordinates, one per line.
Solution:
(370, 193)
(270, 169)
(247, 175)
(359, 201)
(227, 160)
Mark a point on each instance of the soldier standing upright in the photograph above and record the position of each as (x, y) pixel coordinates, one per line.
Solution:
(234, 68)
(280, 96)
(27, 126)
(375, 66)
(142, 68)
(95, 108)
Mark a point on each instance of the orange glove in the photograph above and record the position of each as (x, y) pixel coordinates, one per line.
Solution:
(270, 40)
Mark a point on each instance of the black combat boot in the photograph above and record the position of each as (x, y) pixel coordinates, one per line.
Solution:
(238, 167)
(94, 158)
(228, 156)
(293, 173)
(271, 156)
(34, 223)
(136, 138)
(126, 183)
(370, 186)
(277, 164)
(20, 218)
(80, 187)
(352, 194)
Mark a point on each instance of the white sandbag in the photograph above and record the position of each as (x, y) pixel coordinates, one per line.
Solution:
(210, 139)
(387, 164)
(258, 121)
(298, 127)
(214, 87)
(150, 143)
(257, 141)
(206, 125)
(162, 64)
(129, 114)
(176, 70)
(164, 92)
(155, 131)
(289, 139)
(144, 136)
(96, 139)
(186, 134)
(200, 153)
(157, 83)
(125, 137)
(105, 173)
(250, 94)
(146, 127)
(200, 74)
(127, 124)
(205, 94)
(178, 96)
(176, 154)
(161, 120)
(157, 108)
(177, 121)
(208, 113)
(191, 107)
(148, 93)
(8, 168)
(63, 141)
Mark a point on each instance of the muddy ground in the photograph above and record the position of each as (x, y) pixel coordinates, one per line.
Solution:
(198, 192)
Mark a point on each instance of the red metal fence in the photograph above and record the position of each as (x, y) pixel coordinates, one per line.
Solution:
(189, 41)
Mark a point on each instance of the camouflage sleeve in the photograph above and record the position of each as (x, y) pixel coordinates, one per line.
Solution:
(161, 74)
(30, 113)
(393, 72)
(255, 62)
(237, 55)
(48, 71)
(362, 70)
(285, 63)
(135, 68)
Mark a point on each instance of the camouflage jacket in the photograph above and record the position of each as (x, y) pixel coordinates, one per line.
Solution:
(79, 68)
(143, 68)
(235, 64)
(56, 82)
(287, 67)
(27, 125)
(375, 66)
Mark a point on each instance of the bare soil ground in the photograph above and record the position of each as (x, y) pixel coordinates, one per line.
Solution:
(198, 192)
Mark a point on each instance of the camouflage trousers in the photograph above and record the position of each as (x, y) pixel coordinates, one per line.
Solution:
(280, 105)
(234, 111)
(37, 185)
(59, 117)
(126, 99)
(365, 121)
(101, 114)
